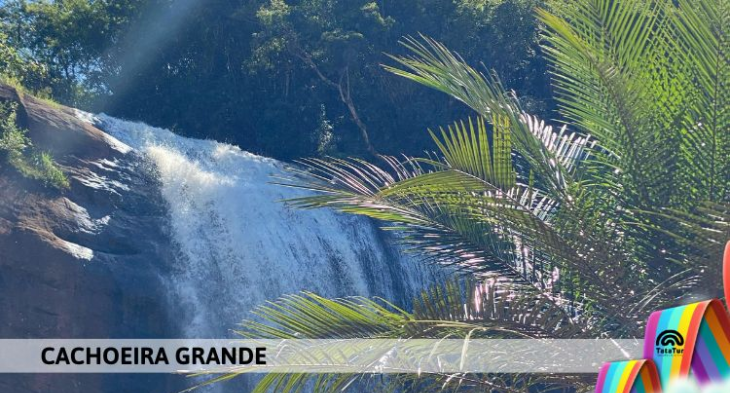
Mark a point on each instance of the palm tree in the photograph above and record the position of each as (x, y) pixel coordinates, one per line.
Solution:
(574, 231)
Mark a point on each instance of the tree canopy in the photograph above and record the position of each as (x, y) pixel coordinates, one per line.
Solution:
(269, 75)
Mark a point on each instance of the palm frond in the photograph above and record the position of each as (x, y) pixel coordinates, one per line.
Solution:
(631, 205)
(702, 46)
(435, 66)
(458, 309)
(569, 148)
(598, 67)
(450, 211)
(467, 148)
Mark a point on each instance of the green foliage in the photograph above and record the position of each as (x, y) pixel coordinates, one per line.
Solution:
(457, 309)
(19, 153)
(13, 140)
(65, 45)
(261, 70)
(612, 214)
(627, 214)
(302, 40)
(10, 61)
(18, 71)
(274, 13)
(40, 167)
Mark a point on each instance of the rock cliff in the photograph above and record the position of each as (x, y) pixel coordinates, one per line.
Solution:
(93, 253)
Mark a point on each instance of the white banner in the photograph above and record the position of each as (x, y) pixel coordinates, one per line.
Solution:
(313, 356)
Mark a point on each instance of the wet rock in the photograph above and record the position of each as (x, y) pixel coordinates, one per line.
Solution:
(85, 262)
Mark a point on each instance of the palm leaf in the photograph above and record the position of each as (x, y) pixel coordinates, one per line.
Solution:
(457, 309)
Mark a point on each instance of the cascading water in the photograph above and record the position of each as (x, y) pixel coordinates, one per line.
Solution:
(239, 245)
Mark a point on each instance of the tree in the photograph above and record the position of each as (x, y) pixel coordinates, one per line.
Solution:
(632, 208)
(70, 41)
(261, 70)
(14, 69)
(325, 44)
(331, 51)
(10, 62)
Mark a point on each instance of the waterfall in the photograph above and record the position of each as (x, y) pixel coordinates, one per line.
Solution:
(238, 245)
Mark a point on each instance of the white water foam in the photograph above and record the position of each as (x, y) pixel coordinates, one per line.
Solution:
(239, 246)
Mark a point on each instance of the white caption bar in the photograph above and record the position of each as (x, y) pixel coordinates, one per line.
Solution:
(313, 356)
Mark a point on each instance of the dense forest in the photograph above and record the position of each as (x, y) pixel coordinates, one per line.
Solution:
(286, 79)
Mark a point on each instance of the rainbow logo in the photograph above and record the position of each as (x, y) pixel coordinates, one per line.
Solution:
(633, 376)
(691, 340)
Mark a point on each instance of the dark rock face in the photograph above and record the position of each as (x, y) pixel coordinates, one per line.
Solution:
(86, 262)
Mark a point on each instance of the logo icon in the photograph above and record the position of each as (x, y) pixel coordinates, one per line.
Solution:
(669, 342)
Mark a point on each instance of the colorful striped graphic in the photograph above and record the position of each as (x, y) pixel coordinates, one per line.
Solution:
(633, 376)
(704, 329)
(679, 342)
